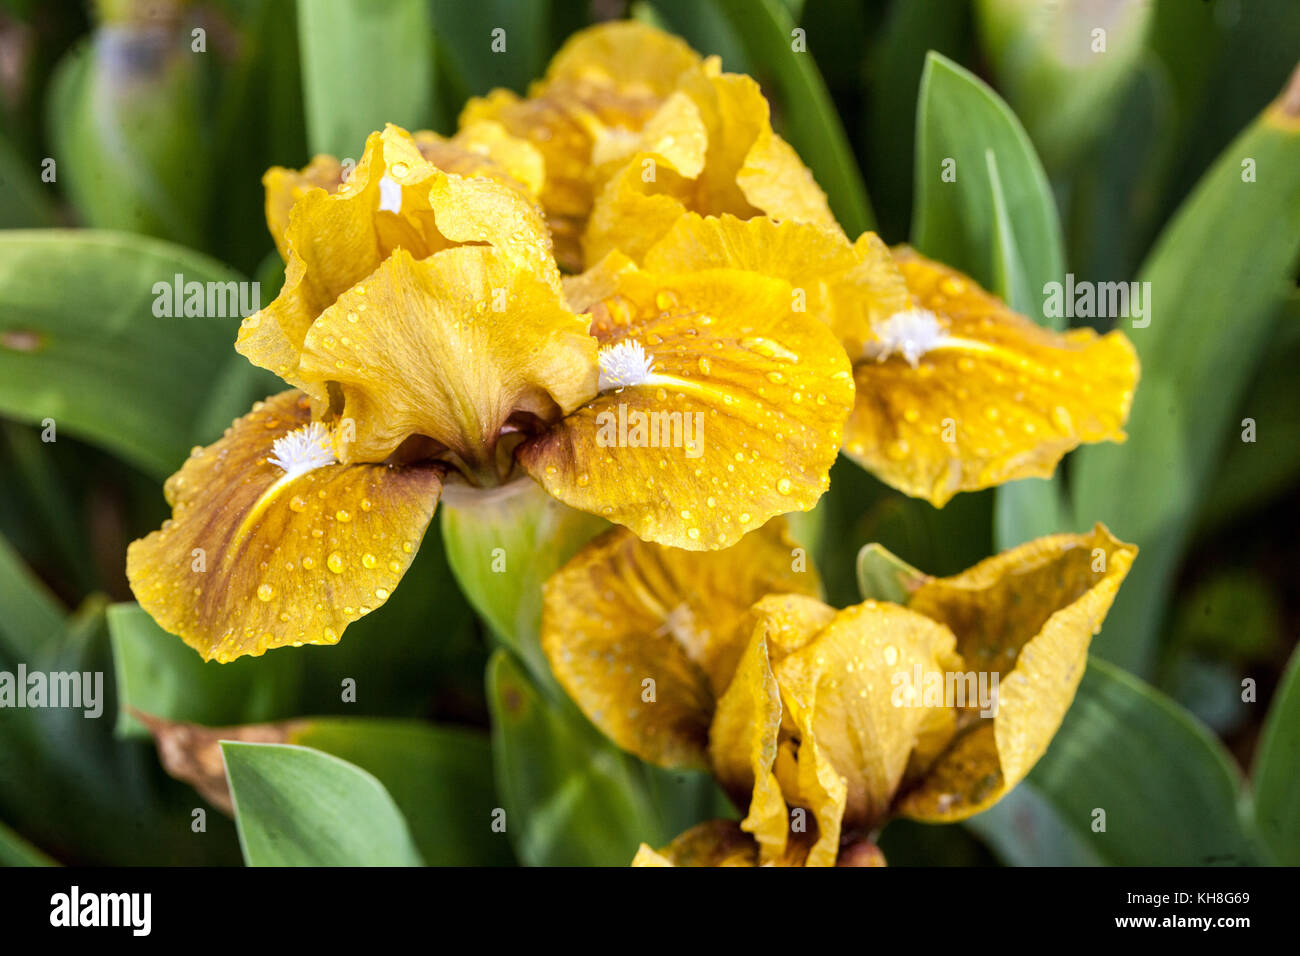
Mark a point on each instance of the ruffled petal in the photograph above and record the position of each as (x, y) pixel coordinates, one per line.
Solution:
(736, 418)
(644, 637)
(600, 89)
(1027, 615)
(256, 557)
(961, 393)
(746, 169)
(848, 285)
(449, 348)
(846, 694)
(394, 198)
(719, 843)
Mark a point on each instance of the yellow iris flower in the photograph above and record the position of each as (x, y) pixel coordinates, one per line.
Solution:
(636, 128)
(427, 333)
(728, 661)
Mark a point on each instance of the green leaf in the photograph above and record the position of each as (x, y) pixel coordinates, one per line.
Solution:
(439, 777)
(127, 117)
(364, 63)
(32, 616)
(883, 576)
(810, 122)
(295, 806)
(15, 851)
(994, 212)
(571, 797)
(465, 34)
(1179, 810)
(80, 343)
(1277, 770)
(997, 222)
(80, 794)
(1218, 276)
(162, 676)
(1050, 68)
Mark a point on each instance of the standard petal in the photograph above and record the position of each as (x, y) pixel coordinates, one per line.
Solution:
(962, 393)
(449, 348)
(738, 420)
(1027, 616)
(600, 89)
(254, 557)
(394, 198)
(746, 170)
(850, 695)
(644, 637)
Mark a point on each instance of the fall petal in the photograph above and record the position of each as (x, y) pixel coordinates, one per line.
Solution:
(735, 419)
(623, 612)
(962, 393)
(1027, 615)
(255, 557)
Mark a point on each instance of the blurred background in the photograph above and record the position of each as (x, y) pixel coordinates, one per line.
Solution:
(157, 119)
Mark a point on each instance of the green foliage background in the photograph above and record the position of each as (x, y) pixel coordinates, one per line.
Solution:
(1115, 166)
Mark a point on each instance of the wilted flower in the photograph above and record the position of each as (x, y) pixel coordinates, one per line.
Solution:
(728, 661)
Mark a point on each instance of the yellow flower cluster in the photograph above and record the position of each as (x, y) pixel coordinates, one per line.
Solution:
(626, 287)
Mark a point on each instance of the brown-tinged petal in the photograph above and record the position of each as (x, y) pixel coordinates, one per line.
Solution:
(720, 407)
(719, 843)
(850, 696)
(1028, 616)
(960, 393)
(449, 347)
(745, 733)
(746, 170)
(602, 86)
(394, 198)
(644, 637)
(848, 285)
(256, 556)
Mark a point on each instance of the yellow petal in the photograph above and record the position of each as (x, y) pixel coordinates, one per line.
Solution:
(1027, 615)
(284, 187)
(718, 843)
(846, 695)
(254, 557)
(746, 171)
(394, 198)
(449, 348)
(994, 398)
(738, 421)
(623, 612)
(603, 85)
(848, 285)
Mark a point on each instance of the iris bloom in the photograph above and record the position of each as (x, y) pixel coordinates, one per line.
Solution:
(636, 128)
(729, 662)
(428, 337)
